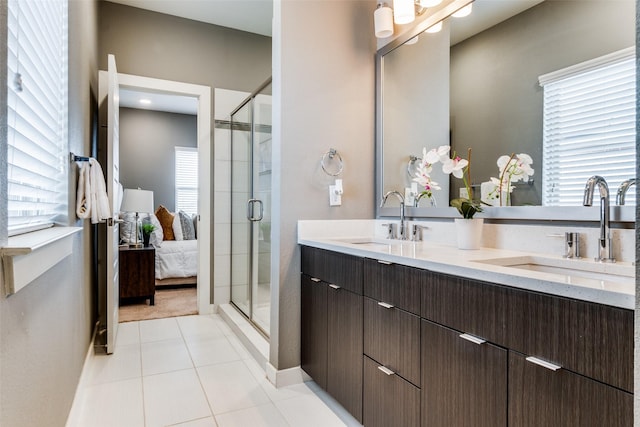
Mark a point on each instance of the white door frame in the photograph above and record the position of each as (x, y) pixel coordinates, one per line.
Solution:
(203, 95)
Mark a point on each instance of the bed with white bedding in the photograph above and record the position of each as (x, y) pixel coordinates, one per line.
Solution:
(177, 262)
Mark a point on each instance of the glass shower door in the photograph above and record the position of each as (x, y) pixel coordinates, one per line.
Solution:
(251, 208)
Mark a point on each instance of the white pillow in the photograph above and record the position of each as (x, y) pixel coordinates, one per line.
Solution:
(177, 227)
(157, 235)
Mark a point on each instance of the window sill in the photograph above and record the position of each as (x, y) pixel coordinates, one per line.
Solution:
(29, 255)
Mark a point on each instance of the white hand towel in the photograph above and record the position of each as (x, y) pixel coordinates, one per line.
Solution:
(100, 209)
(83, 198)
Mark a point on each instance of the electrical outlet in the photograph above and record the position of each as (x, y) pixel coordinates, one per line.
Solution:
(463, 193)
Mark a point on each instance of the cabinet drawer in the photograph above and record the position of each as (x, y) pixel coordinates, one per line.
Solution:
(392, 338)
(388, 399)
(472, 307)
(539, 397)
(394, 284)
(333, 267)
(591, 339)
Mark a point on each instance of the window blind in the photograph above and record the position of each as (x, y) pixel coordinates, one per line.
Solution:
(186, 179)
(36, 113)
(589, 127)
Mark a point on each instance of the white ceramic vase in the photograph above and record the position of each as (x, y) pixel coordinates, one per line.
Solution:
(469, 232)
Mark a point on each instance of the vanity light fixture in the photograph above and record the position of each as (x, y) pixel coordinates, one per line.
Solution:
(383, 21)
(404, 11)
(465, 11)
(430, 3)
(145, 101)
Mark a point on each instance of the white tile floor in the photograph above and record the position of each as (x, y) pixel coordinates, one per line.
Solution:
(191, 371)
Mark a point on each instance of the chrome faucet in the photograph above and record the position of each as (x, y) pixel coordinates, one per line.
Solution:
(402, 230)
(416, 201)
(605, 251)
(622, 190)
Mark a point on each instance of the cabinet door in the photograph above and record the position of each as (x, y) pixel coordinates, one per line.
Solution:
(389, 401)
(539, 397)
(591, 339)
(463, 383)
(313, 339)
(344, 364)
(392, 338)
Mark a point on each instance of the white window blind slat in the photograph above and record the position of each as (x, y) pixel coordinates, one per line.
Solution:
(589, 127)
(36, 113)
(186, 180)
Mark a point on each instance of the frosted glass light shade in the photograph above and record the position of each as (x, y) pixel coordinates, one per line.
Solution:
(465, 11)
(137, 201)
(435, 28)
(383, 21)
(404, 11)
(430, 3)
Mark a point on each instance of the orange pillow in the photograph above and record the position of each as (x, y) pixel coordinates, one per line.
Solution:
(166, 221)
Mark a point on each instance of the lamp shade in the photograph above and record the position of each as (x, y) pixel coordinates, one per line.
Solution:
(383, 21)
(404, 11)
(137, 200)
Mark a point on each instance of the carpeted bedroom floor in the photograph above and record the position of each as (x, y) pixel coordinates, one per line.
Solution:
(168, 303)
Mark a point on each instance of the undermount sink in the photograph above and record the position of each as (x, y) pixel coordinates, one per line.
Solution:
(574, 270)
(371, 243)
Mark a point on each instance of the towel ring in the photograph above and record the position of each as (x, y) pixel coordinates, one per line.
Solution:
(330, 155)
(412, 166)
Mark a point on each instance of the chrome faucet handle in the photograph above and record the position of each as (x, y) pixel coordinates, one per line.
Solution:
(571, 245)
(416, 232)
(391, 230)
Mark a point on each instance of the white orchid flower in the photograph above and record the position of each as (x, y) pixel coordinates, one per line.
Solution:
(440, 154)
(454, 166)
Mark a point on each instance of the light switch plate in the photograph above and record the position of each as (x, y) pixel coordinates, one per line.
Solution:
(334, 199)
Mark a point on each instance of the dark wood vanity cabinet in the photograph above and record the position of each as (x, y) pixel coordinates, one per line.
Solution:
(331, 325)
(402, 346)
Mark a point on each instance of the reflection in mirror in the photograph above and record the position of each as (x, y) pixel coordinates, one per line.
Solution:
(495, 98)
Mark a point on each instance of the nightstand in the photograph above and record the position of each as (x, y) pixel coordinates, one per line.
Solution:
(138, 273)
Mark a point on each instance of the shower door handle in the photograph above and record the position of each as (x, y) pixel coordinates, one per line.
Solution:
(250, 206)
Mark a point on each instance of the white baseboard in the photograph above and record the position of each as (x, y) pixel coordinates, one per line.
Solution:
(286, 377)
(74, 413)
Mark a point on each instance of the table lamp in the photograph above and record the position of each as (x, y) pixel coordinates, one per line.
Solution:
(137, 200)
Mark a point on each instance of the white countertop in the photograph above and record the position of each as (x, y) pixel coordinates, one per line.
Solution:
(615, 291)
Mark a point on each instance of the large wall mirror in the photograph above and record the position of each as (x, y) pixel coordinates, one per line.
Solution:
(475, 84)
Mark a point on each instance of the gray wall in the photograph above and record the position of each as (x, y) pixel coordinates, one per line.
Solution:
(323, 97)
(496, 102)
(147, 142)
(45, 329)
(166, 47)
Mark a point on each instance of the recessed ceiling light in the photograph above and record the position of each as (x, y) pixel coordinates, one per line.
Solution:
(145, 101)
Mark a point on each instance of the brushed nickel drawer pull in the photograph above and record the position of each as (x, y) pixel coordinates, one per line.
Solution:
(384, 262)
(386, 370)
(334, 286)
(385, 305)
(313, 279)
(473, 339)
(543, 363)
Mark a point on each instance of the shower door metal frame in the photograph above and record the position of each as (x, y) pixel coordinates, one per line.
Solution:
(250, 206)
